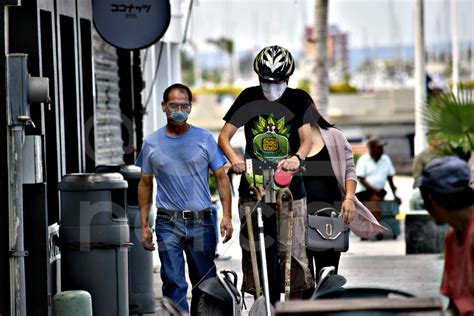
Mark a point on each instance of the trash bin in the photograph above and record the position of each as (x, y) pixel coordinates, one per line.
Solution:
(94, 239)
(141, 298)
(422, 234)
(389, 210)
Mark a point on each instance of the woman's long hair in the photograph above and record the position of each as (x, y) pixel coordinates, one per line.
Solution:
(317, 118)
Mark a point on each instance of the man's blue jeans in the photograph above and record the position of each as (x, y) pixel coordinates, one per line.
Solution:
(197, 239)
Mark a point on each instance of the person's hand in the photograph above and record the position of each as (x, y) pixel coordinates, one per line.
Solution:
(147, 239)
(290, 164)
(226, 228)
(398, 200)
(238, 166)
(348, 211)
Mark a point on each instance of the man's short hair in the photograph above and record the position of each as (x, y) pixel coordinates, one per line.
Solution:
(180, 87)
(447, 179)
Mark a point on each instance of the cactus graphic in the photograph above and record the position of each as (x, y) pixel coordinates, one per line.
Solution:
(271, 138)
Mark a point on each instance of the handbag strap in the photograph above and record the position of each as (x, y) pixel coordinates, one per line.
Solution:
(328, 210)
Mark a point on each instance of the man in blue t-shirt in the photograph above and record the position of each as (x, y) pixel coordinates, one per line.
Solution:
(179, 156)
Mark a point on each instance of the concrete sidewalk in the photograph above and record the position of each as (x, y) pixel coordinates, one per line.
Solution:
(366, 264)
(417, 274)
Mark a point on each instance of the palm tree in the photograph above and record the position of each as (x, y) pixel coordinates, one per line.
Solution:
(452, 119)
(226, 45)
(321, 77)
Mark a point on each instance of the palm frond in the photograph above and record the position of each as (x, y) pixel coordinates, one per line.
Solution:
(452, 119)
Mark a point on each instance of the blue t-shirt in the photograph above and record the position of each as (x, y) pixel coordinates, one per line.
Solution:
(181, 165)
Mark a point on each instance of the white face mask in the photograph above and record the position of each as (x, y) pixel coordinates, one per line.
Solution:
(273, 91)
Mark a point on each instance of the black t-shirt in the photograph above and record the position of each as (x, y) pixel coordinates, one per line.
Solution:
(271, 128)
(320, 182)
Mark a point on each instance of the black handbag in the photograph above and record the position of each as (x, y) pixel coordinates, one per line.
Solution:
(327, 231)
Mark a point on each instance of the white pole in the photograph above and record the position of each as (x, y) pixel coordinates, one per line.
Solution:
(455, 48)
(420, 78)
(263, 258)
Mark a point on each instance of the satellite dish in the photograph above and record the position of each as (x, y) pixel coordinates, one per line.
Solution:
(131, 24)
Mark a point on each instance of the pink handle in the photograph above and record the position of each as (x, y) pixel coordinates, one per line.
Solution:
(282, 177)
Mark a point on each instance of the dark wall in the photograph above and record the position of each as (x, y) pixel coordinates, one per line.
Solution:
(4, 188)
(131, 85)
(78, 130)
(56, 36)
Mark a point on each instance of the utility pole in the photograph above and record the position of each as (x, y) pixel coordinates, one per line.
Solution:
(455, 48)
(420, 78)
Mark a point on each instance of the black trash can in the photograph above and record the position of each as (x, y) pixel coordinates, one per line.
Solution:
(94, 239)
(141, 298)
(422, 234)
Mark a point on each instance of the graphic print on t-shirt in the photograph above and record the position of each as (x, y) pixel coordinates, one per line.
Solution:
(270, 141)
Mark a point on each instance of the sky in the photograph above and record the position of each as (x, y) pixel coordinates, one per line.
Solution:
(258, 23)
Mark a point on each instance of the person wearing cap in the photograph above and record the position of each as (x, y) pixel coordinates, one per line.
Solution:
(444, 186)
(373, 170)
(179, 156)
(276, 126)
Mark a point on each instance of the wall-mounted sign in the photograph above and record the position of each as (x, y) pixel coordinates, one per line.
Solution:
(131, 24)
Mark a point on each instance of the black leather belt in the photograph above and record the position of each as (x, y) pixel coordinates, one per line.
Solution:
(204, 213)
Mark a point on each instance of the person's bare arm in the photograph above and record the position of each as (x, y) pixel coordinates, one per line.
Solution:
(226, 134)
(223, 186)
(145, 192)
(394, 189)
(348, 205)
(293, 163)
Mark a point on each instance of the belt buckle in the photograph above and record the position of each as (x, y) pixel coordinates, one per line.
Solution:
(187, 214)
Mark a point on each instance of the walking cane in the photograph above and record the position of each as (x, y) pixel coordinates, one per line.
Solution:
(253, 251)
(280, 194)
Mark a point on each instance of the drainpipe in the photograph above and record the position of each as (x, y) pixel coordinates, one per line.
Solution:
(16, 85)
(21, 90)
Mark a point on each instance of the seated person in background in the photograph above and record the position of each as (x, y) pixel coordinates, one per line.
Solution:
(419, 163)
(444, 186)
(373, 169)
(427, 154)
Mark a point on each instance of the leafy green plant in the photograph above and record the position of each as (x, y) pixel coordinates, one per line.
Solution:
(337, 87)
(304, 84)
(219, 90)
(342, 87)
(356, 158)
(452, 120)
(466, 84)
